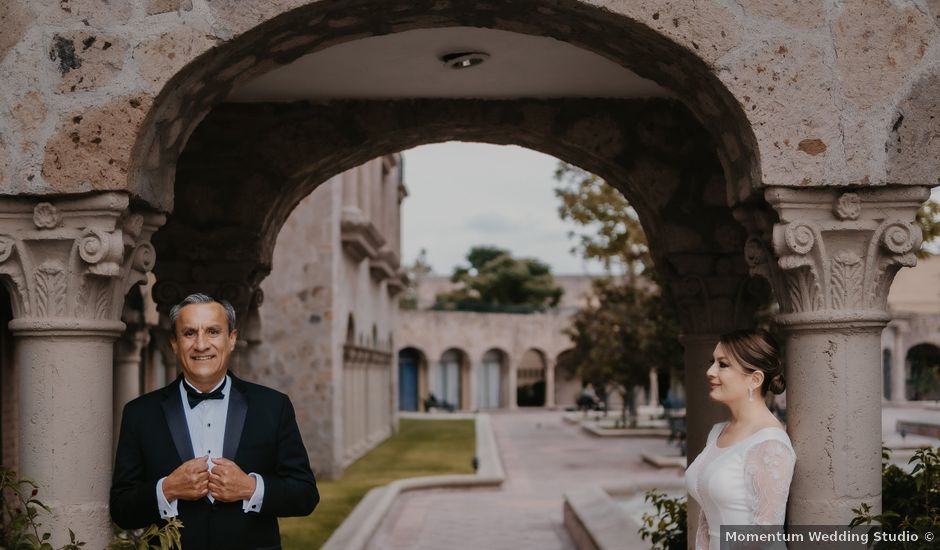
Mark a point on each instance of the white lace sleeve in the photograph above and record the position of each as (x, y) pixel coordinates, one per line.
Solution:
(768, 469)
(701, 534)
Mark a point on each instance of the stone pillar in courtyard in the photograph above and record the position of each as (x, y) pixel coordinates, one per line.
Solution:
(698, 348)
(654, 388)
(127, 363)
(835, 254)
(161, 335)
(512, 383)
(70, 262)
(713, 294)
(549, 383)
(899, 365)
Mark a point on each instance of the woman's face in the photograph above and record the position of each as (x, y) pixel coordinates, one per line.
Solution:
(727, 379)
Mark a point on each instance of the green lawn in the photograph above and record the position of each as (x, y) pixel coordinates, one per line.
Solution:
(420, 448)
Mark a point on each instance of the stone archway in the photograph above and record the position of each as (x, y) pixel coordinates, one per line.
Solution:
(531, 377)
(412, 379)
(650, 42)
(631, 143)
(491, 384)
(923, 372)
(654, 151)
(449, 380)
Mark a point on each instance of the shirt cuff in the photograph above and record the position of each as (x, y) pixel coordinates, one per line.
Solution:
(167, 509)
(254, 503)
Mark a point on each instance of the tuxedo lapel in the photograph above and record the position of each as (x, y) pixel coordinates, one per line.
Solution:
(235, 420)
(176, 420)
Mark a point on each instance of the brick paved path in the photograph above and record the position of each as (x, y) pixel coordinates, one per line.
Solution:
(543, 458)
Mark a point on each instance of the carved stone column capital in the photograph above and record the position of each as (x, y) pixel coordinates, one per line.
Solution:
(236, 281)
(833, 253)
(713, 293)
(69, 262)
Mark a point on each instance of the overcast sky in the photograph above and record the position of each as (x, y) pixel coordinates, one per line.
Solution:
(464, 194)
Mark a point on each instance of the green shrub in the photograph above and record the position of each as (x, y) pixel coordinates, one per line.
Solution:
(910, 501)
(20, 528)
(667, 528)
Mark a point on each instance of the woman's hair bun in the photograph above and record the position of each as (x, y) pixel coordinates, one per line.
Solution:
(777, 384)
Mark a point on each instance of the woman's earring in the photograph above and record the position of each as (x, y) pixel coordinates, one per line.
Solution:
(750, 393)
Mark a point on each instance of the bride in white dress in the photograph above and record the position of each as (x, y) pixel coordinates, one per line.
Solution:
(743, 475)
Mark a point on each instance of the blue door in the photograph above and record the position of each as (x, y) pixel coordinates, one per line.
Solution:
(407, 382)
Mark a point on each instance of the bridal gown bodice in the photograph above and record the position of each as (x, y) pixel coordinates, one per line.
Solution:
(746, 483)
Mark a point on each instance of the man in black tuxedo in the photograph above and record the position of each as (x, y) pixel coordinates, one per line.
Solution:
(223, 454)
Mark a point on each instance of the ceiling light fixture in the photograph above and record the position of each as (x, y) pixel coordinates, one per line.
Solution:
(464, 60)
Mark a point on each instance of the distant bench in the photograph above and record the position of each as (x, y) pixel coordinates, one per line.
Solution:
(912, 427)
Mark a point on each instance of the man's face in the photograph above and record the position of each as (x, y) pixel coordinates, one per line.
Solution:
(203, 343)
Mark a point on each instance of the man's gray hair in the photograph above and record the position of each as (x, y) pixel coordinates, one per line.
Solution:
(203, 299)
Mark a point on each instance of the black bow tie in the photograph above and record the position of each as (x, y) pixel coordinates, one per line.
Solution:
(196, 397)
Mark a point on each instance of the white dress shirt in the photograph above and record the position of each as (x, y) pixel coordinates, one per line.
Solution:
(206, 423)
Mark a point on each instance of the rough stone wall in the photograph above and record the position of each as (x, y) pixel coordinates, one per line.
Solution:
(654, 151)
(313, 288)
(103, 95)
(375, 398)
(297, 354)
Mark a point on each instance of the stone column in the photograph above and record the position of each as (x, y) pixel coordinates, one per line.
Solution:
(701, 412)
(70, 262)
(350, 182)
(156, 378)
(473, 368)
(899, 365)
(398, 194)
(713, 294)
(835, 256)
(249, 336)
(364, 176)
(127, 362)
(511, 387)
(549, 383)
(160, 336)
(654, 387)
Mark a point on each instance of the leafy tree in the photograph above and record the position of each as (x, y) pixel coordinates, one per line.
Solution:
(613, 234)
(625, 330)
(620, 335)
(667, 527)
(928, 218)
(20, 529)
(910, 500)
(493, 280)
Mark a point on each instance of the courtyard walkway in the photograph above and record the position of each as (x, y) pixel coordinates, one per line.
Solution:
(543, 457)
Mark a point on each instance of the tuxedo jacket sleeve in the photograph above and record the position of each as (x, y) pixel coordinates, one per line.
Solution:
(261, 436)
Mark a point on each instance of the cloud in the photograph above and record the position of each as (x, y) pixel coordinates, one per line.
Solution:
(492, 223)
(467, 194)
